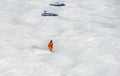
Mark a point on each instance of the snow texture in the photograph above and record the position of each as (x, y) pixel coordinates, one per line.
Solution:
(85, 34)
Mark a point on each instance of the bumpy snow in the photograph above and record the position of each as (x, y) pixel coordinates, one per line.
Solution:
(86, 37)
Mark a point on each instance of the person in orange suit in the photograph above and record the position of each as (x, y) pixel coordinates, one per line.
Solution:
(50, 45)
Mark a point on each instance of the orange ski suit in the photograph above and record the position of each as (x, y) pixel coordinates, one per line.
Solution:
(50, 46)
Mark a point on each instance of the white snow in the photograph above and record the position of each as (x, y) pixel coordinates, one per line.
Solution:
(85, 34)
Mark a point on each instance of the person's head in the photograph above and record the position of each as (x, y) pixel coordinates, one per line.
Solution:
(50, 40)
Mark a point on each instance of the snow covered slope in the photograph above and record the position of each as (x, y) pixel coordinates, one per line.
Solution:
(85, 34)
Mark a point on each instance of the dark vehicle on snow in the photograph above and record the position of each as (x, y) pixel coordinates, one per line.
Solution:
(57, 4)
(45, 13)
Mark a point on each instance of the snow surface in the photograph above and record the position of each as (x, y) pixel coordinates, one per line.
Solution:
(85, 34)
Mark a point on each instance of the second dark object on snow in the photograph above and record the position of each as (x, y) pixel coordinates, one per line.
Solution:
(45, 13)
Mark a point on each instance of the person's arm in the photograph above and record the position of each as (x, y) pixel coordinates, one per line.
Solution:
(48, 44)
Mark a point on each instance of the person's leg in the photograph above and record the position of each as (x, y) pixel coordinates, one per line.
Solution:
(50, 49)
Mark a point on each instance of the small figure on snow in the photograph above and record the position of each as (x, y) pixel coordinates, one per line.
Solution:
(50, 45)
